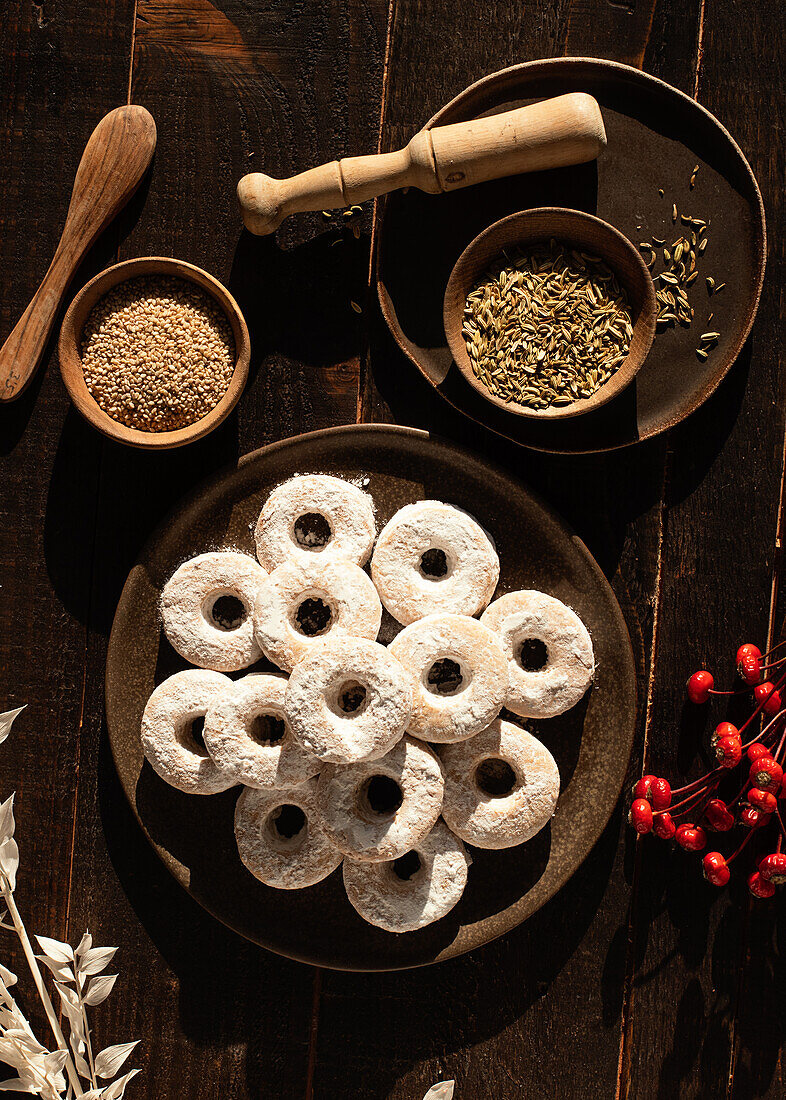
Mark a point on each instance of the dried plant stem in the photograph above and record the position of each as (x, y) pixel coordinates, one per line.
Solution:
(88, 1040)
(35, 970)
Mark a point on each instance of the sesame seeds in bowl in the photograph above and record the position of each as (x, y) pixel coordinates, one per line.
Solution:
(154, 352)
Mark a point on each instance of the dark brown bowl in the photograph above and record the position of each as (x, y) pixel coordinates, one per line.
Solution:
(194, 835)
(71, 359)
(585, 233)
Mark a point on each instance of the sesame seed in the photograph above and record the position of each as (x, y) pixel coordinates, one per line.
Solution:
(157, 353)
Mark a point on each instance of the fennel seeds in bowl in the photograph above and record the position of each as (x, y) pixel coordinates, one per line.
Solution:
(547, 326)
(157, 353)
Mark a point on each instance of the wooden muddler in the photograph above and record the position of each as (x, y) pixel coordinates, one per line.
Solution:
(549, 134)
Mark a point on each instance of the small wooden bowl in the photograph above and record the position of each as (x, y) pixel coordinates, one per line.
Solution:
(69, 349)
(585, 233)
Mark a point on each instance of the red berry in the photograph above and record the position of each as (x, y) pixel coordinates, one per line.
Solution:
(749, 663)
(752, 818)
(773, 706)
(699, 686)
(756, 750)
(640, 816)
(759, 886)
(718, 816)
(750, 670)
(773, 868)
(762, 800)
(728, 750)
(643, 787)
(766, 774)
(716, 869)
(661, 794)
(664, 826)
(766, 694)
(724, 729)
(691, 837)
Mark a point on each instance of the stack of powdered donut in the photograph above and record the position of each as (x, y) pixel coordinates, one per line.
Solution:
(383, 759)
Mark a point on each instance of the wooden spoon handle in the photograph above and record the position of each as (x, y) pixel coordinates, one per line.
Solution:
(113, 165)
(565, 130)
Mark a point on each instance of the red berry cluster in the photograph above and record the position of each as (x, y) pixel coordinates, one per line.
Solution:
(658, 809)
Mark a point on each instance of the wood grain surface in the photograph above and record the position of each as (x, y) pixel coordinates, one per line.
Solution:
(636, 981)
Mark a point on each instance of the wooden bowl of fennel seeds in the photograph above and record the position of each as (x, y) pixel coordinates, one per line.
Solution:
(154, 352)
(550, 313)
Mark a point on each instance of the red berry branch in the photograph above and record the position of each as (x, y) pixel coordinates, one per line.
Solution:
(687, 813)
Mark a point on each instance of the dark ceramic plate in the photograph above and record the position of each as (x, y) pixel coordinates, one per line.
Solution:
(193, 835)
(656, 136)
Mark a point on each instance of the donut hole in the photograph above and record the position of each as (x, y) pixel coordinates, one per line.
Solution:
(495, 777)
(267, 729)
(407, 866)
(226, 611)
(381, 796)
(312, 531)
(313, 617)
(533, 655)
(434, 565)
(286, 824)
(445, 677)
(350, 699)
(196, 731)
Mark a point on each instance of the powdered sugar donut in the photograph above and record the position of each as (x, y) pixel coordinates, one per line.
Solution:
(315, 516)
(206, 609)
(349, 700)
(167, 738)
(501, 787)
(301, 603)
(459, 676)
(379, 810)
(280, 840)
(248, 736)
(548, 649)
(414, 890)
(431, 558)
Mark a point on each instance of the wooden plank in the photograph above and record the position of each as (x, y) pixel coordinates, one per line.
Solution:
(541, 1011)
(719, 553)
(753, 50)
(61, 69)
(231, 88)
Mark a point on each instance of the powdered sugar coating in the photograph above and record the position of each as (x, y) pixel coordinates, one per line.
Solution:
(570, 666)
(343, 586)
(396, 567)
(287, 863)
(231, 741)
(348, 510)
(500, 822)
(349, 819)
(187, 602)
(472, 646)
(387, 901)
(318, 683)
(167, 741)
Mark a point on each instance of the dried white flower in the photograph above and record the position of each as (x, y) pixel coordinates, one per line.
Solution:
(443, 1090)
(79, 985)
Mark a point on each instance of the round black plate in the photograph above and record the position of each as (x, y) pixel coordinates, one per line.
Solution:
(656, 136)
(194, 835)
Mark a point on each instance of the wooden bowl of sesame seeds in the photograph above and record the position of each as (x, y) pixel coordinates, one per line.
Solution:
(154, 352)
(550, 313)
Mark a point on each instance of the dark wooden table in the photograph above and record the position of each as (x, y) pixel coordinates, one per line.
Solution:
(636, 980)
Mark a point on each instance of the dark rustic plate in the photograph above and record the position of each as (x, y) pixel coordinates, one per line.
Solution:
(656, 136)
(193, 835)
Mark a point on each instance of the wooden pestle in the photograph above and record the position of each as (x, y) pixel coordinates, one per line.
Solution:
(555, 132)
(116, 157)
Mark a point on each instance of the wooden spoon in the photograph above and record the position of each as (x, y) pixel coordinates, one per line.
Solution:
(112, 167)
